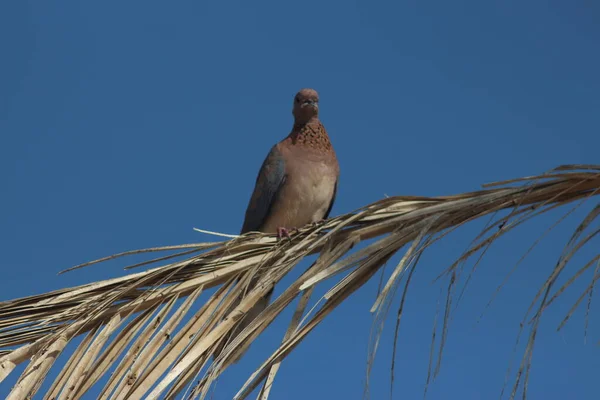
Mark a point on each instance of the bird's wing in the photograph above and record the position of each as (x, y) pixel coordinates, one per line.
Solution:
(270, 180)
(332, 200)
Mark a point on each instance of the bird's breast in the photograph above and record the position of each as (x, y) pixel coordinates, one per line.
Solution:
(306, 196)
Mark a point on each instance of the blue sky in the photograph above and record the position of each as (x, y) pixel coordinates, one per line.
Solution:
(125, 124)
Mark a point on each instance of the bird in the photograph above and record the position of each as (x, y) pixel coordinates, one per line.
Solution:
(296, 185)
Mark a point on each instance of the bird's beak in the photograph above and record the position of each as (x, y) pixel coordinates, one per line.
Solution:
(311, 103)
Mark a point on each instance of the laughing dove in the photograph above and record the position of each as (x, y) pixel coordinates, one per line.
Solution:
(296, 184)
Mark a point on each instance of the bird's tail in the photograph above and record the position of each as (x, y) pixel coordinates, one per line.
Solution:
(252, 313)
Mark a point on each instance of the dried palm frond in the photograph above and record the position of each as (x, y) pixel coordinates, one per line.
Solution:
(144, 330)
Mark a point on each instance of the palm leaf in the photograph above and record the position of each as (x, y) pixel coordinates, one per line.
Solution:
(145, 330)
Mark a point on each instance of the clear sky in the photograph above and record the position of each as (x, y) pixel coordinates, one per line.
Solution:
(125, 124)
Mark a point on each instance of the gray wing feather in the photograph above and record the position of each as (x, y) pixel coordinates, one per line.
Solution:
(332, 200)
(269, 182)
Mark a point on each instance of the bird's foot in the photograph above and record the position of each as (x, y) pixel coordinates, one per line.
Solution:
(317, 224)
(283, 233)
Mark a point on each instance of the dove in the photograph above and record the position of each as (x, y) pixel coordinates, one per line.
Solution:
(296, 185)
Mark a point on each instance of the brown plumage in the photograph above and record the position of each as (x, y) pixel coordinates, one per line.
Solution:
(296, 184)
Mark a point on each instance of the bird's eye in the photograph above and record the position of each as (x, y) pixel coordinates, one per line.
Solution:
(297, 99)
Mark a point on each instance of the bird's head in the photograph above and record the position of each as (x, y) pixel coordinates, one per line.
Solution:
(306, 105)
